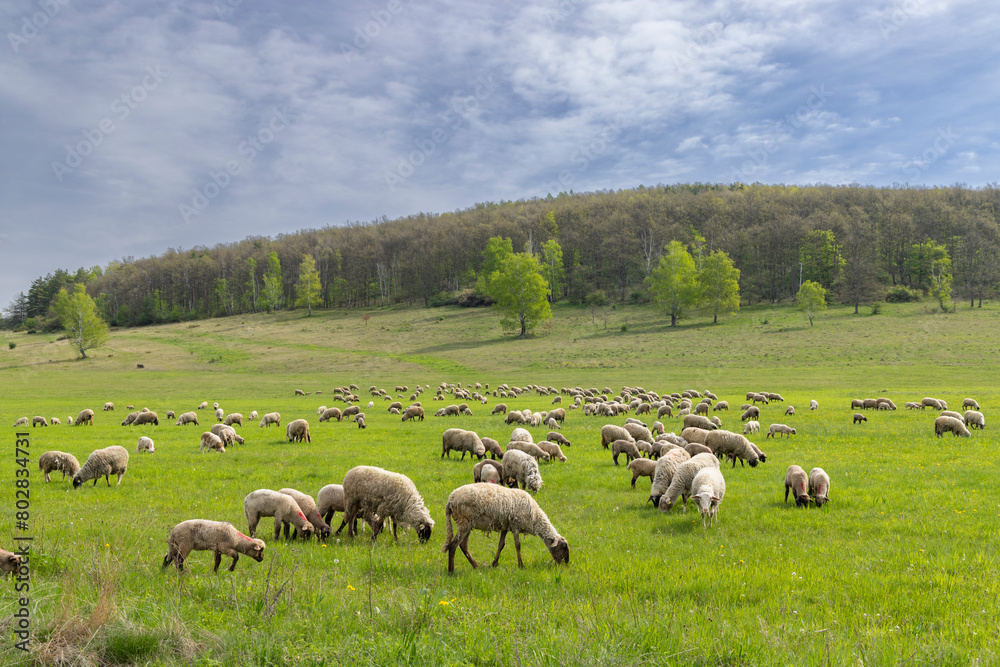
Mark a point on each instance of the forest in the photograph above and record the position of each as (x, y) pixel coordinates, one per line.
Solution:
(863, 244)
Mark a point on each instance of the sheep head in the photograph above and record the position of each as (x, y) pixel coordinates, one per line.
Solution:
(802, 500)
(559, 548)
(424, 530)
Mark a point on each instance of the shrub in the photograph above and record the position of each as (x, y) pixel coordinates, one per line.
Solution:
(11, 344)
(470, 298)
(876, 308)
(902, 294)
(439, 299)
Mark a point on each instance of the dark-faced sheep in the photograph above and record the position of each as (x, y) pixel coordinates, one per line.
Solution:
(858, 418)
(105, 462)
(624, 447)
(58, 462)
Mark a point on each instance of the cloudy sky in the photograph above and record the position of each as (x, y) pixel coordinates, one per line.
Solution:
(133, 127)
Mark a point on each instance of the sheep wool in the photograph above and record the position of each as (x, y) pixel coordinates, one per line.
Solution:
(310, 509)
(85, 417)
(330, 500)
(210, 441)
(58, 462)
(974, 419)
(680, 485)
(105, 462)
(284, 509)
(187, 418)
(145, 444)
(751, 427)
(270, 418)
(463, 441)
(638, 431)
(521, 469)
(956, 427)
(552, 449)
(797, 482)
(611, 432)
(733, 445)
(375, 495)
(529, 448)
(642, 468)
(779, 428)
(629, 449)
(298, 431)
(698, 421)
(695, 434)
(819, 486)
(521, 434)
(218, 536)
(708, 489)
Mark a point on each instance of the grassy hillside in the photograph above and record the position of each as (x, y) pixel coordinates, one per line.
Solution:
(897, 569)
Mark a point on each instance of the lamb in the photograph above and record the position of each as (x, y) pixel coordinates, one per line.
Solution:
(54, 461)
(858, 418)
(227, 434)
(522, 470)
(797, 481)
(779, 428)
(883, 403)
(610, 433)
(528, 448)
(733, 445)
(413, 412)
(129, 418)
(170, 414)
(639, 432)
(298, 431)
(320, 410)
(330, 500)
(554, 436)
(286, 512)
(708, 489)
(624, 447)
(970, 403)
(490, 507)
(85, 417)
(694, 434)
(642, 468)
(105, 462)
(203, 405)
(270, 418)
(376, 495)
(253, 415)
(146, 418)
(974, 419)
(308, 507)
(945, 424)
(552, 423)
(492, 448)
(55, 421)
(360, 420)
(218, 536)
(220, 414)
(10, 563)
(234, 418)
(145, 444)
(552, 449)
(535, 420)
(463, 441)
(211, 441)
(188, 418)
(478, 471)
(753, 412)
(813, 405)
(680, 485)
(38, 420)
(751, 426)
(330, 413)
(109, 406)
(819, 486)
(790, 410)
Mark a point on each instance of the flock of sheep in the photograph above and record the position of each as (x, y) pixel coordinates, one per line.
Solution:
(685, 466)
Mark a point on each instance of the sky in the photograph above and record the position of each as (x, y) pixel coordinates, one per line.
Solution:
(134, 127)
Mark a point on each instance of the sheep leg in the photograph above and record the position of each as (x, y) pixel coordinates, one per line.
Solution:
(394, 536)
(517, 547)
(503, 538)
(328, 517)
(786, 493)
(277, 528)
(119, 479)
(377, 528)
(218, 559)
(634, 477)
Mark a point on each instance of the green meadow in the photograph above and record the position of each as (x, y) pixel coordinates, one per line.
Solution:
(901, 568)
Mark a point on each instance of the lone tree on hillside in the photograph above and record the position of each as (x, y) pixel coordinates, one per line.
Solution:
(720, 284)
(78, 316)
(520, 293)
(811, 299)
(308, 289)
(674, 282)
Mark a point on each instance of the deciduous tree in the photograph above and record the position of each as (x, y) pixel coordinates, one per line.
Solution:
(673, 283)
(78, 316)
(720, 284)
(811, 299)
(519, 293)
(308, 292)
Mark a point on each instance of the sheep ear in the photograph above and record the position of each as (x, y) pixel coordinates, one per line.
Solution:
(716, 499)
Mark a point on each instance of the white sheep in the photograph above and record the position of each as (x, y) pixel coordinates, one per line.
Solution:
(779, 428)
(284, 509)
(210, 441)
(552, 449)
(463, 441)
(522, 470)
(185, 418)
(253, 415)
(790, 410)
(611, 432)
(105, 462)
(298, 431)
(492, 507)
(521, 434)
(957, 427)
(218, 536)
(680, 484)
(220, 414)
(813, 405)
(308, 507)
(695, 434)
(970, 403)
(227, 434)
(270, 418)
(974, 419)
(708, 489)
(733, 445)
(375, 495)
(145, 444)
(751, 426)
(819, 486)
(330, 500)
(698, 421)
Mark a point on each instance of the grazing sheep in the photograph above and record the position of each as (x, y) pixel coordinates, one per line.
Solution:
(858, 418)
(910, 405)
(499, 408)
(215, 406)
(227, 434)
(708, 488)
(680, 484)
(10, 562)
(220, 537)
(105, 462)
(952, 414)
(779, 428)
(38, 420)
(330, 413)
(665, 410)
(970, 403)
(145, 444)
(529, 448)
(491, 475)
(721, 405)
(360, 421)
(463, 441)
(350, 411)
(188, 418)
(626, 447)
(797, 482)
(870, 403)
(376, 495)
(819, 486)
(558, 414)
(490, 507)
(974, 419)
(521, 434)
(813, 405)
(109, 406)
(211, 441)
(413, 412)
(220, 414)
(55, 421)
(522, 470)
(270, 418)
(492, 448)
(753, 412)
(642, 468)
(308, 507)
(695, 434)
(514, 417)
(234, 418)
(253, 415)
(751, 427)
(552, 423)
(202, 406)
(639, 432)
(790, 410)
(695, 448)
(298, 431)
(146, 418)
(732, 445)
(610, 433)
(320, 410)
(478, 471)
(857, 403)
(170, 414)
(85, 417)
(54, 461)
(330, 500)
(130, 418)
(284, 509)
(884, 404)
(299, 392)
(933, 403)
(552, 449)
(944, 424)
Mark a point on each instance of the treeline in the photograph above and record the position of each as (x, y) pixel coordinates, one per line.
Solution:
(859, 242)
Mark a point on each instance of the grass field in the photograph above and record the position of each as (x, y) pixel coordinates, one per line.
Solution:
(901, 568)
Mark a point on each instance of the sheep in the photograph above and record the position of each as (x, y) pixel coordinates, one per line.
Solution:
(375, 495)
(129, 418)
(146, 418)
(624, 447)
(270, 418)
(360, 421)
(350, 411)
(170, 414)
(974, 419)
(220, 414)
(299, 392)
(210, 441)
(514, 417)
(883, 403)
(478, 471)
(642, 468)
(298, 431)
(490, 507)
(413, 412)
(500, 408)
(945, 424)
(708, 488)
(952, 414)
(187, 418)
(521, 434)
(558, 414)
(85, 417)
(779, 428)
(330, 413)
(790, 410)
(528, 448)
(933, 403)
(970, 403)
(552, 449)
(215, 406)
(694, 434)
(910, 405)
(284, 509)
(797, 481)
(38, 420)
(227, 434)
(639, 432)
(694, 448)
(554, 436)
(233, 418)
(813, 405)
(463, 441)
(54, 461)
(55, 421)
(522, 470)
(203, 405)
(733, 445)
(857, 403)
(145, 444)
(665, 410)
(308, 507)
(220, 537)
(819, 486)
(721, 405)
(253, 415)
(109, 406)
(320, 410)
(858, 418)
(105, 462)
(869, 403)
(680, 484)
(329, 501)
(492, 448)
(753, 412)
(10, 563)
(751, 426)
(643, 409)
(701, 409)
(610, 433)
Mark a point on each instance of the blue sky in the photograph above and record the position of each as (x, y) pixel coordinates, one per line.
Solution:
(130, 128)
